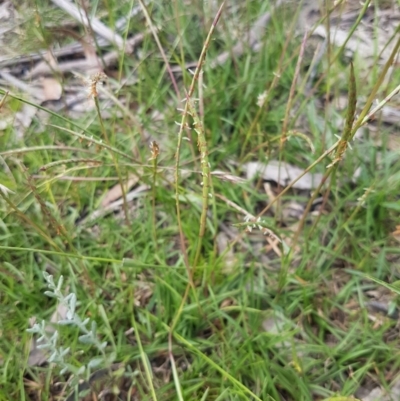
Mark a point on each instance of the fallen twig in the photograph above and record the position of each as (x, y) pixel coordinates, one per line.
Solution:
(97, 26)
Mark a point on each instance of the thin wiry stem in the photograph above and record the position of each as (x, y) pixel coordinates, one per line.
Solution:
(263, 109)
(309, 168)
(89, 138)
(292, 90)
(351, 111)
(277, 76)
(163, 55)
(43, 147)
(323, 76)
(66, 161)
(364, 113)
(48, 238)
(127, 30)
(117, 169)
(23, 217)
(360, 16)
(361, 202)
(379, 106)
(289, 107)
(4, 99)
(97, 142)
(154, 148)
(310, 202)
(178, 386)
(145, 360)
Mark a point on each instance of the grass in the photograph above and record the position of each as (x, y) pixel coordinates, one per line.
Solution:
(184, 323)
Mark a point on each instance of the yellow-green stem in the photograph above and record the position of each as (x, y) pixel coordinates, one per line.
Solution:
(154, 201)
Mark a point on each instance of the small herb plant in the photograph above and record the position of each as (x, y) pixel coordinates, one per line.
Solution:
(50, 340)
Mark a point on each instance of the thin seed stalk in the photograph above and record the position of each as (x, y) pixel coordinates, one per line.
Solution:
(349, 131)
(205, 172)
(2, 101)
(154, 201)
(182, 127)
(334, 58)
(263, 109)
(365, 111)
(308, 169)
(361, 201)
(340, 150)
(351, 113)
(67, 161)
(288, 108)
(104, 131)
(292, 92)
(154, 148)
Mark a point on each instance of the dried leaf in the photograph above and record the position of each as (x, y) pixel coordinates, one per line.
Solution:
(283, 174)
(396, 233)
(292, 211)
(23, 119)
(116, 191)
(275, 325)
(46, 89)
(224, 176)
(379, 394)
(116, 205)
(52, 89)
(224, 249)
(144, 290)
(360, 40)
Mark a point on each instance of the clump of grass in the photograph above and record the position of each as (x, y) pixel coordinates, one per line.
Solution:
(289, 327)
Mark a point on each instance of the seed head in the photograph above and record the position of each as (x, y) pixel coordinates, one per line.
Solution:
(95, 79)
